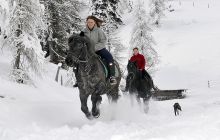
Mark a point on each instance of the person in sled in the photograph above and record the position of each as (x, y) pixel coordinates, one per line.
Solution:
(99, 40)
(141, 63)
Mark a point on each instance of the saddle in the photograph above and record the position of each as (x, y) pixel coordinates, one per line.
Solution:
(106, 68)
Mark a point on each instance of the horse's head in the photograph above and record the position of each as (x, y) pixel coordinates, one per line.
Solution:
(132, 70)
(132, 67)
(138, 81)
(79, 49)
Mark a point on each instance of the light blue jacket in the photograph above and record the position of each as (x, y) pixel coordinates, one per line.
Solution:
(97, 37)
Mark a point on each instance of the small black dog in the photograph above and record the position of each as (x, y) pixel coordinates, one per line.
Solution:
(177, 107)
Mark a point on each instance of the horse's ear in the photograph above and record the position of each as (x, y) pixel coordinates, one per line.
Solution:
(82, 33)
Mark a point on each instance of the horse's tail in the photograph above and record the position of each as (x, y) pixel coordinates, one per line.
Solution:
(155, 88)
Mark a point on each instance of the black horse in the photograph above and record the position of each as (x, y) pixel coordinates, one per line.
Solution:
(90, 74)
(139, 84)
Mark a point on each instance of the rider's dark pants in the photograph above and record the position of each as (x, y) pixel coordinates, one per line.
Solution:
(105, 54)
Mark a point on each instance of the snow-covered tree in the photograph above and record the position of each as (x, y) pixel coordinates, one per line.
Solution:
(107, 11)
(3, 19)
(142, 36)
(22, 39)
(125, 5)
(157, 8)
(117, 49)
(62, 17)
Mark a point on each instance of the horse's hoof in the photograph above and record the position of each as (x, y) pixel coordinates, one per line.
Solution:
(96, 114)
(89, 116)
(146, 110)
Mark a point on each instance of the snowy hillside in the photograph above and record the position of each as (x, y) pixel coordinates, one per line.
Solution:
(188, 44)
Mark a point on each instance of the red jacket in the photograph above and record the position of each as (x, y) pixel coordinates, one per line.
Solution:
(140, 61)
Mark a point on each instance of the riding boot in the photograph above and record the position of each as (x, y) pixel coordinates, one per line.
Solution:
(112, 78)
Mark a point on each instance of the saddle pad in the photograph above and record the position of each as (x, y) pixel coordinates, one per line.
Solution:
(104, 67)
(106, 70)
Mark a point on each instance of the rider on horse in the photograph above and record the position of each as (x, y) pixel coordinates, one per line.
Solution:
(98, 38)
(89, 69)
(141, 63)
(139, 58)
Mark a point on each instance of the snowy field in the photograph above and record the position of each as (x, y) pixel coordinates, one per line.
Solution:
(189, 47)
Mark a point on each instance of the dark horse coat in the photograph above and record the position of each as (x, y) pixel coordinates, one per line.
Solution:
(139, 83)
(90, 74)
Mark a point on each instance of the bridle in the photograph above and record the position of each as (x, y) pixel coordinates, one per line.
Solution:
(86, 66)
(77, 59)
(132, 73)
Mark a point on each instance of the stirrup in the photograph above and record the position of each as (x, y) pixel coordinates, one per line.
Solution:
(113, 80)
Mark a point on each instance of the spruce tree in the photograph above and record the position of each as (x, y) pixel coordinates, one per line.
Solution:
(117, 49)
(125, 6)
(62, 18)
(142, 36)
(107, 11)
(157, 8)
(24, 21)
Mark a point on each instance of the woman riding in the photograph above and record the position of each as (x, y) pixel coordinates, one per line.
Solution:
(98, 39)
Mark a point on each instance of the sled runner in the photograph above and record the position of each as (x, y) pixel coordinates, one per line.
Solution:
(169, 94)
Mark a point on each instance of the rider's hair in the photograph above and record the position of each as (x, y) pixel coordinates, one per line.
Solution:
(136, 48)
(97, 20)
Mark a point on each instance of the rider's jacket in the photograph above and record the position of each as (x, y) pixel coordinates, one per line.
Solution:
(140, 61)
(97, 37)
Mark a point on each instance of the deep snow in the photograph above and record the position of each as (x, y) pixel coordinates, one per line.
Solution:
(188, 45)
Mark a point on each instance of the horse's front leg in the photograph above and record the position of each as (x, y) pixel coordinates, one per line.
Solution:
(96, 101)
(113, 95)
(84, 106)
(146, 101)
(138, 98)
(96, 97)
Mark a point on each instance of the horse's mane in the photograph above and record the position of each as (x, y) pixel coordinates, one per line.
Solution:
(81, 38)
(131, 63)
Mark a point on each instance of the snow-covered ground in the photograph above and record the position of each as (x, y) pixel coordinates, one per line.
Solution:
(189, 48)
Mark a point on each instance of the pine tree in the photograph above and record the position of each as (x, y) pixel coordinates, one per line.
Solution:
(157, 8)
(117, 49)
(22, 39)
(125, 5)
(3, 17)
(107, 11)
(62, 17)
(142, 37)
